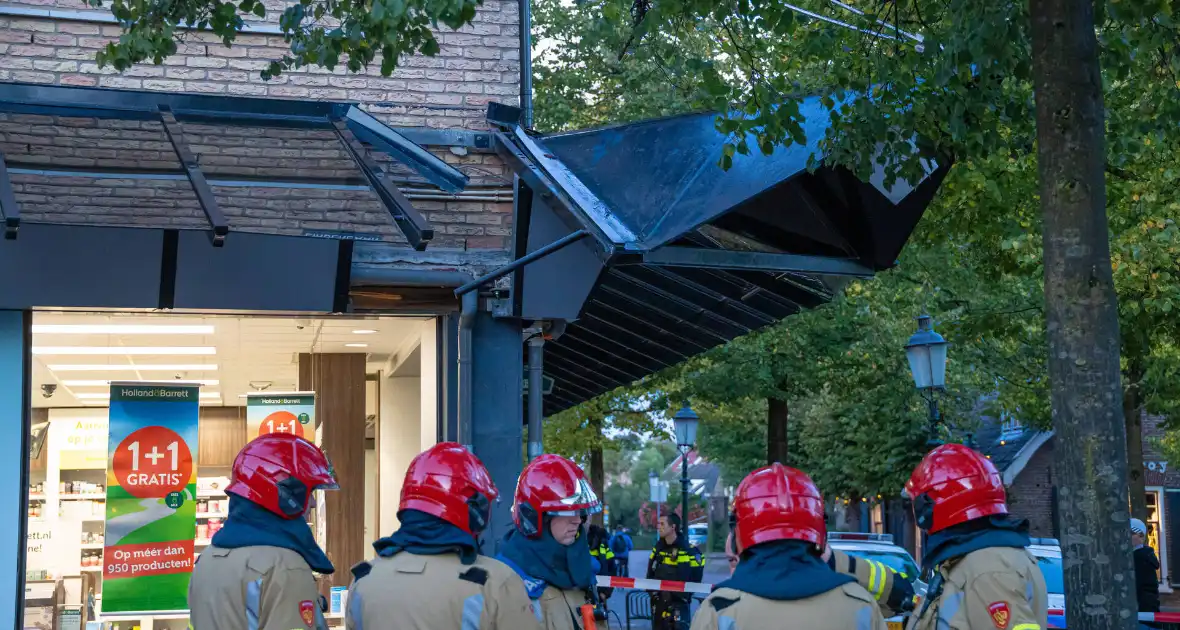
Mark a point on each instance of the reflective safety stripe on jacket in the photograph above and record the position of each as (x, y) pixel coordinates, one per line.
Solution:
(888, 587)
(848, 607)
(254, 588)
(561, 610)
(411, 592)
(676, 562)
(603, 552)
(996, 587)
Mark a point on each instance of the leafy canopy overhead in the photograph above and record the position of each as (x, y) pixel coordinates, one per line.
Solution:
(327, 33)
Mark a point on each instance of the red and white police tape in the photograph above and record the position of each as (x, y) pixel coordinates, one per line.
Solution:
(605, 581)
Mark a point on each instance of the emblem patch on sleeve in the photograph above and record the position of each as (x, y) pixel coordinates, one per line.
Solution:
(1000, 614)
(307, 612)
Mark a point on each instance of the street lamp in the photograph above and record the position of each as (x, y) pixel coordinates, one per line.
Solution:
(926, 352)
(685, 421)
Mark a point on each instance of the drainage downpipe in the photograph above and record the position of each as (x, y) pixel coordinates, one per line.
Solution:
(536, 401)
(469, 308)
(526, 64)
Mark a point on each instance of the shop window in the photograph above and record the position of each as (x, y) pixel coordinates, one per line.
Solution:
(1156, 521)
(77, 508)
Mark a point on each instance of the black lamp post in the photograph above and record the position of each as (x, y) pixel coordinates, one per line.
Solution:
(926, 352)
(685, 421)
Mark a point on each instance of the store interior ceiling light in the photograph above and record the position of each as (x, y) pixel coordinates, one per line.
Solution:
(107, 395)
(364, 331)
(120, 329)
(126, 350)
(90, 383)
(107, 367)
(356, 345)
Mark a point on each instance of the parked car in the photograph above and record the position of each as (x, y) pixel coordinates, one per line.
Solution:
(881, 548)
(1047, 551)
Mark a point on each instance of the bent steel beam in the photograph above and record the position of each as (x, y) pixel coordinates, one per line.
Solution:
(428, 165)
(411, 223)
(702, 258)
(220, 227)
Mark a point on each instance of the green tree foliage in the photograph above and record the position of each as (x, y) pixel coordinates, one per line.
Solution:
(352, 33)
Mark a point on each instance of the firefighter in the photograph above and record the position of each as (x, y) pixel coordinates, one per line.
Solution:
(673, 558)
(548, 548)
(893, 591)
(983, 577)
(781, 580)
(429, 573)
(257, 573)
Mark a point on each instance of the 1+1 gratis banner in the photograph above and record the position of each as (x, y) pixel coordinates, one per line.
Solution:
(151, 487)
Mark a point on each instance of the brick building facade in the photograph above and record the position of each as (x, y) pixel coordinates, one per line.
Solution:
(54, 43)
(1032, 491)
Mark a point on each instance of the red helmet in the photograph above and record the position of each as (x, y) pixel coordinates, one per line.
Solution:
(778, 503)
(551, 485)
(448, 481)
(955, 484)
(279, 471)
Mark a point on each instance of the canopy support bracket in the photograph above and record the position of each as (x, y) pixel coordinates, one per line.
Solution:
(196, 178)
(411, 223)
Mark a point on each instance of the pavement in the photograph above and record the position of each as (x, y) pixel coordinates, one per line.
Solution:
(716, 570)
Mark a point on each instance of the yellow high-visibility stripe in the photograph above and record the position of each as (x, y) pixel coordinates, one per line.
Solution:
(881, 570)
(872, 576)
(1027, 626)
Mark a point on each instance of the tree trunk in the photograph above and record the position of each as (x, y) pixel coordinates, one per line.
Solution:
(777, 414)
(1133, 417)
(1081, 315)
(597, 474)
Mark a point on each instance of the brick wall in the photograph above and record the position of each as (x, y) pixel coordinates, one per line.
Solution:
(476, 65)
(1031, 495)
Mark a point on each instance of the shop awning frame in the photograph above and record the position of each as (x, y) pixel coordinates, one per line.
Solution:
(351, 125)
(687, 257)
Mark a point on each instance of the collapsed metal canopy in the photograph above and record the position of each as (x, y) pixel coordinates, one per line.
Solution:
(685, 256)
(95, 147)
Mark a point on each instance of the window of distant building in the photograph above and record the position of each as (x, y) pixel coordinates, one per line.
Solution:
(1011, 428)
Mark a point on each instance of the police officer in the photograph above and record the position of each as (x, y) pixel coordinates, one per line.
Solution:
(983, 577)
(257, 573)
(548, 548)
(429, 573)
(781, 582)
(893, 591)
(673, 558)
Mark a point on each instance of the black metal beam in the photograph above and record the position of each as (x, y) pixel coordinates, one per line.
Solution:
(755, 261)
(422, 161)
(693, 312)
(412, 224)
(627, 318)
(9, 210)
(681, 286)
(18, 167)
(220, 227)
(541, 252)
(51, 99)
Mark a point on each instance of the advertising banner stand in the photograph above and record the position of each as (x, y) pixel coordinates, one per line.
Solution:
(150, 503)
(281, 412)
